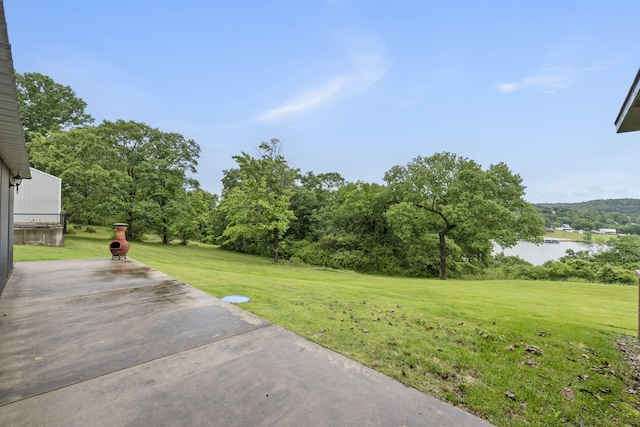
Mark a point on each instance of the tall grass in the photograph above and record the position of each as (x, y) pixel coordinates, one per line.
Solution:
(514, 352)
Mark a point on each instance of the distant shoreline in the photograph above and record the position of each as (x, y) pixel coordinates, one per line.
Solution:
(565, 236)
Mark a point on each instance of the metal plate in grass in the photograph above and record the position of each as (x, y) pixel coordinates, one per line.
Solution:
(235, 298)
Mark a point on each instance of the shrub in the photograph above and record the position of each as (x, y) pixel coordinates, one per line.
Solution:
(612, 274)
(557, 270)
(581, 268)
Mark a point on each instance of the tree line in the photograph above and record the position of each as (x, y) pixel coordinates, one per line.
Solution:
(435, 216)
(621, 214)
(117, 171)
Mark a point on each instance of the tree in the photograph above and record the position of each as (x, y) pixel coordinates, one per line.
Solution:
(93, 191)
(625, 252)
(470, 206)
(360, 210)
(258, 207)
(205, 207)
(47, 107)
(415, 235)
(196, 221)
(313, 203)
(156, 164)
(121, 171)
(356, 236)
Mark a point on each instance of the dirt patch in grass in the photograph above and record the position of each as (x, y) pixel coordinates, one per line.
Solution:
(630, 347)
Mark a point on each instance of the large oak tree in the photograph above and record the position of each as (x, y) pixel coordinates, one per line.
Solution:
(124, 171)
(468, 208)
(157, 165)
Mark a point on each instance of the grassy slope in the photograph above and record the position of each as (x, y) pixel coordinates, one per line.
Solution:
(467, 342)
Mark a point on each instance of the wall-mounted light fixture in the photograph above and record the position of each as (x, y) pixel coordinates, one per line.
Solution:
(17, 180)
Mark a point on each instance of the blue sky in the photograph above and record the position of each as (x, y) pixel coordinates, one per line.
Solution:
(356, 87)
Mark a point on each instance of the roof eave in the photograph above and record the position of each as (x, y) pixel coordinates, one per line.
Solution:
(628, 119)
(13, 149)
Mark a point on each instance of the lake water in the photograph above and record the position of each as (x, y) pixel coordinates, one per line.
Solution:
(539, 254)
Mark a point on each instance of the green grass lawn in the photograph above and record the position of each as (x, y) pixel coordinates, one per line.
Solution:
(514, 352)
(574, 236)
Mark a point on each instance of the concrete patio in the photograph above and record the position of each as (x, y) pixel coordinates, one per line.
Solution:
(113, 343)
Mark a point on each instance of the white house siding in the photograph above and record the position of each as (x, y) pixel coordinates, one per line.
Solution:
(39, 199)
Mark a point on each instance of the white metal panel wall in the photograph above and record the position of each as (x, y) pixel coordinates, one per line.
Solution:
(42, 194)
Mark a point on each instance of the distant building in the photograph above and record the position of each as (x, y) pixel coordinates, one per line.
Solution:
(37, 219)
(39, 199)
(609, 231)
(564, 227)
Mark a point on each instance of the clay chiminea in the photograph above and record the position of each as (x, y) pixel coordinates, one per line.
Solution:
(120, 246)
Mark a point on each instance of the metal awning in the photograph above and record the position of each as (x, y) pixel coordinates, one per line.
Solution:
(13, 149)
(628, 119)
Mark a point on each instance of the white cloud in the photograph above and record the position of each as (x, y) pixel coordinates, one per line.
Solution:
(549, 80)
(368, 69)
(506, 87)
(307, 101)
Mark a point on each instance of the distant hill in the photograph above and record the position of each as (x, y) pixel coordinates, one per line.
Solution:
(629, 207)
(623, 215)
